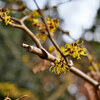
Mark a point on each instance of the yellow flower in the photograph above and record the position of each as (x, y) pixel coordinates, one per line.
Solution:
(8, 20)
(4, 14)
(52, 24)
(74, 50)
(35, 22)
(59, 66)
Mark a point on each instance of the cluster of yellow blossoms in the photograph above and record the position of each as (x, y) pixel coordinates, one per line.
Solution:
(4, 15)
(52, 24)
(74, 50)
(59, 66)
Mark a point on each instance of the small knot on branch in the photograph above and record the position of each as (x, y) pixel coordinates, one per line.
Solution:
(27, 47)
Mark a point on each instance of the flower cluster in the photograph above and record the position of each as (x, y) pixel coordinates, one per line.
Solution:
(59, 66)
(74, 50)
(52, 24)
(41, 27)
(4, 15)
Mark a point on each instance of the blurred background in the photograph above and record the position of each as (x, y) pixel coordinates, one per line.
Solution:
(79, 18)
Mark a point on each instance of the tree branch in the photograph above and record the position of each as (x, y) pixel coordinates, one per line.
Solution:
(72, 68)
(49, 34)
(24, 18)
(41, 51)
(34, 38)
(22, 26)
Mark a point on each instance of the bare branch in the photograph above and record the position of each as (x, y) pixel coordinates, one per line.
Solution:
(39, 52)
(85, 77)
(24, 18)
(15, 25)
(22, 26)
(34, 38)
(16, 19)
(72, 69)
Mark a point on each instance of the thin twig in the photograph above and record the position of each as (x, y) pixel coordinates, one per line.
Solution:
(16, 25)
(64, 2)
(16, 19)
(24, 18)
